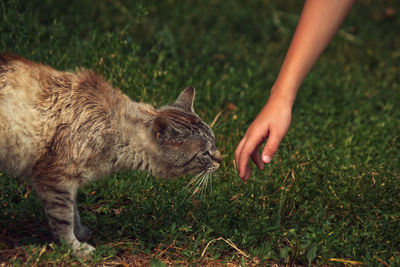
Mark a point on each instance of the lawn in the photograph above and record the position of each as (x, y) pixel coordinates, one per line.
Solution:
(331, 195)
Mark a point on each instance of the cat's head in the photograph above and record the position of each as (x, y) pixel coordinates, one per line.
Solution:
(186, 143)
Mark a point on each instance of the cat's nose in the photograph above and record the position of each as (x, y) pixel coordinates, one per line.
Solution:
(217, 156)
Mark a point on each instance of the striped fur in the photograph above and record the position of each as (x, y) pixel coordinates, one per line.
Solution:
(61, 130)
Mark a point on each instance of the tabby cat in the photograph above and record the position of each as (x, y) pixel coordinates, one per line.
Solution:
(61, 130)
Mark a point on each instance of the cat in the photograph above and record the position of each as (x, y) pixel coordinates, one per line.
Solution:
(61, 130)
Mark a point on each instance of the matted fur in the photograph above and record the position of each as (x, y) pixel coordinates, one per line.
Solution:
(61, 130)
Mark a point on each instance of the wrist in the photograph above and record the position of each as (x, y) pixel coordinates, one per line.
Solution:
(283, 95)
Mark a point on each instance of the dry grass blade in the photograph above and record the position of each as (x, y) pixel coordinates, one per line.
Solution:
(229, 242)
(382, 261)
(347, 261)
(215, 119)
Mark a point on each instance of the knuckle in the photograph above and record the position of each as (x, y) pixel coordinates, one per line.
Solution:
(271, 147)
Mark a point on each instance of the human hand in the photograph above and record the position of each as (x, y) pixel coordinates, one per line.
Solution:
(271, 123)
(317, 25)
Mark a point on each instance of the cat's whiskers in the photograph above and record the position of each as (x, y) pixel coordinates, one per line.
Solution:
(207, 177)
(194, 179)
(201, 181)
(214, 175)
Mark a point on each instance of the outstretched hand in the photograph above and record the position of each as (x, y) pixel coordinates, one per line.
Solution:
(271, 124)
(318, 23)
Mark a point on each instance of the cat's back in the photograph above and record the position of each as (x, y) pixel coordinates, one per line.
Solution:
(19, 120)
(37, 102)
(27, 92)
(20, 82)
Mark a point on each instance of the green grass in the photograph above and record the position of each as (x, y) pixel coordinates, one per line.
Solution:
(332, 190)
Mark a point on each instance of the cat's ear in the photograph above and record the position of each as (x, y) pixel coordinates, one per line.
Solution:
(186, 99)
(161, 128)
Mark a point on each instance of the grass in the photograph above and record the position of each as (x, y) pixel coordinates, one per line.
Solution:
(332, 193)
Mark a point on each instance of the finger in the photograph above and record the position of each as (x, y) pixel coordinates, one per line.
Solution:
(238, 150)
(247, 174)
(257, 159)
(271, 146)
(242, 162)
(248, 148)
(244, 174)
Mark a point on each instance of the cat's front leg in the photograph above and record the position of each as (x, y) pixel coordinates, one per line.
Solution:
(58, 203)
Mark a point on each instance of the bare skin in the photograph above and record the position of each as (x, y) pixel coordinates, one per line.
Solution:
(318, 23)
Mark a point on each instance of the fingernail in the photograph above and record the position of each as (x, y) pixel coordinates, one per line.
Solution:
(266, 159)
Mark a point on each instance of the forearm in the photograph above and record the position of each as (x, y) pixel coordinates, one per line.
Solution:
(318, 23)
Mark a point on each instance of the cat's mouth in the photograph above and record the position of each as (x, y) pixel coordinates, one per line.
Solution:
(217, 159)
(214, 167)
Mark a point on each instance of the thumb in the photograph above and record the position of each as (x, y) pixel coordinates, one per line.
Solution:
(271, 147)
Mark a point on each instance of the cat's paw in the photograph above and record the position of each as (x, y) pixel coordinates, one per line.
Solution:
(83, 233)
(82, 250)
